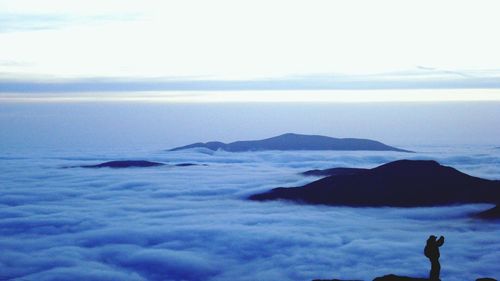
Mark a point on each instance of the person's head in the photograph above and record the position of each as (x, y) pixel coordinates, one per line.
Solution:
(432, 238)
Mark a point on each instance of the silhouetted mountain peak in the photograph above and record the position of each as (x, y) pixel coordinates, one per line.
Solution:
(408, 167)
(288, 135)
(409, 164)
(291, 136)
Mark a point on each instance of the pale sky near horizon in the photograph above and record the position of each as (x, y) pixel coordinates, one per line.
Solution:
(348, 43)
(226, 39)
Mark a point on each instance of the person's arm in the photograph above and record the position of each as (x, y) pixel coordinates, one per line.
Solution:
(440, 241)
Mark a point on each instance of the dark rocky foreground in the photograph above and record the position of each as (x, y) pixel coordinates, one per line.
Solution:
(403, 183)
(295, 142)
(131, 164)
(392, 277)
(333, 280)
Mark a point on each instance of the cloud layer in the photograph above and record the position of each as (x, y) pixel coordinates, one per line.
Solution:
(192, 223)
(416, 79)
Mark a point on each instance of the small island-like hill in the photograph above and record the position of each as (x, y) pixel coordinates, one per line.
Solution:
(121, 164)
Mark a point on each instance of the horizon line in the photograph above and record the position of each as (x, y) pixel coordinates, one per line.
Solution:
(263, 96)
(422, 79)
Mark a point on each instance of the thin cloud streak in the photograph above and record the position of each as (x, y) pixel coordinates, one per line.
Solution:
(262, 96)
(417, 79)
(36, 22)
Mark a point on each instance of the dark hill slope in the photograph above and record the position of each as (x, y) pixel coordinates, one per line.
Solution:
(334, 172)
(403, 183)
(490, 214)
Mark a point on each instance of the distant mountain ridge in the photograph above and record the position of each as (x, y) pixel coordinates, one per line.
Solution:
(403, 183)
(291, 141)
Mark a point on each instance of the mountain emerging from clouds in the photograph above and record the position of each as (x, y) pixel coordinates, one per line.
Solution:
(403, 183)
(291, 141)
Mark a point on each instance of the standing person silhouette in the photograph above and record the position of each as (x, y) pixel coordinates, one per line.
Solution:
(432, 252)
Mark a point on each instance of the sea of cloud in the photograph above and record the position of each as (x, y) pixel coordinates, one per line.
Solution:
(194, 223)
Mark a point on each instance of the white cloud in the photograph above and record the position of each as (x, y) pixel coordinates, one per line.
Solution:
(192, 223)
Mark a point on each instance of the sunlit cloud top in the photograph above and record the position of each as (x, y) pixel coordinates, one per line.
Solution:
(412, 41)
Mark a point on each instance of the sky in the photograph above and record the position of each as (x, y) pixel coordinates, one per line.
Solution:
(82, 46)
(302, 52)
(129, 126)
